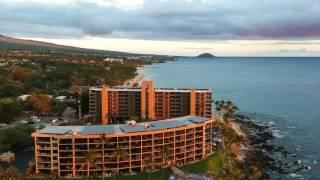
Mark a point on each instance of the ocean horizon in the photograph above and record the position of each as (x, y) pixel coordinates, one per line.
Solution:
(283, 91)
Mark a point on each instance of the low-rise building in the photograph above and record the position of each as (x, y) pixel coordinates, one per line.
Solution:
(7, 157)
(23, 97)
(60, 98)
(117, 60)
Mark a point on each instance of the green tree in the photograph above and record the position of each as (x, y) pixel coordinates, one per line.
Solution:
(119, 153)
(58, 107)
(9, 109)
(84, 102)
(105, 142)
(227, 109)
(90, 157)
(10, 88)
(13, 173)
(164, 154)
(219, 106)
(230, 110)
(254, 173)
(31, 170)
(149, 163)
(16, 138)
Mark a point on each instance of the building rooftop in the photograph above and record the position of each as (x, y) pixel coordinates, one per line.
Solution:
(123, 128)
(120, 88)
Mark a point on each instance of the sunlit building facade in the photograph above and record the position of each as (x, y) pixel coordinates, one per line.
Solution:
(116, 104)
(69, 150)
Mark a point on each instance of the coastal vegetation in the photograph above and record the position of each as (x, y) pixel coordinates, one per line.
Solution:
(226, 109)
(229, 159)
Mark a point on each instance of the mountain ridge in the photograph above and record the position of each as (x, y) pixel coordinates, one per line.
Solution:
(12, 43)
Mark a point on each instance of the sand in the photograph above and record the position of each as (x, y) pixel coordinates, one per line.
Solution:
(136, 80)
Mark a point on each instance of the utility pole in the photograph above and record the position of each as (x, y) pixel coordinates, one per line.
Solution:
(79, 110)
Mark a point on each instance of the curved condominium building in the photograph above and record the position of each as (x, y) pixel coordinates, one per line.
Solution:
(122, 148)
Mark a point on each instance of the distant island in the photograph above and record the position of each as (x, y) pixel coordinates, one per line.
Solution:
(206, 55)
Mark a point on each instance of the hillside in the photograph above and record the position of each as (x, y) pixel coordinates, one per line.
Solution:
(9, 43)
(206, 55)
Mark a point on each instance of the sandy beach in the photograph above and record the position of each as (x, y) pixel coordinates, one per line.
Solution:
(134, 82)
(237, 128)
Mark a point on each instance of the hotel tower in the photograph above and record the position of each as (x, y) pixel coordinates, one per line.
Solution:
(116, 104)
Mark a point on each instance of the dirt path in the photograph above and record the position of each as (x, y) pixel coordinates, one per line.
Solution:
(243, 149)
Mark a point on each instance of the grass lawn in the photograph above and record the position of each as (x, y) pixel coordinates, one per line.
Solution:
(213, 162)
(154, 176)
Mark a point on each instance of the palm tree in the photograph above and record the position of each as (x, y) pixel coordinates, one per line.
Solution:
(90, 158)
(12, 173)
(219, 106)
(105, 141)
(114, 172)
(254, 173)
(149, 162)
(29, 171)
(229, 110)
(55, 174)
(120, 154)
(164, 153)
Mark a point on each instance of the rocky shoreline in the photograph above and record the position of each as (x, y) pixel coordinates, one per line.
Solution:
(273, 159)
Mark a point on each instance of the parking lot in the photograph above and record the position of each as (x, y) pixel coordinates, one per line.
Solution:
(40, 122)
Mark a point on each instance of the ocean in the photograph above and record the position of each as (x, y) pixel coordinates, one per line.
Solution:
(281, 91)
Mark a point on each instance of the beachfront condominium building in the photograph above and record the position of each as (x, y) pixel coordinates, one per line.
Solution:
(114, 104)
(101, 150)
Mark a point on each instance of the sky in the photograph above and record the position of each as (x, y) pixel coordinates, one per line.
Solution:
(171, 27)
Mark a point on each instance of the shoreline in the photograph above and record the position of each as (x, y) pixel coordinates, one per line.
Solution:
(134, 82)
(236, 126)
(274, 160)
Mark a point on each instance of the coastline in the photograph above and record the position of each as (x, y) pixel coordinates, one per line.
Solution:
(274, 160)
(236, 126)
(134, 82)
(263, 145)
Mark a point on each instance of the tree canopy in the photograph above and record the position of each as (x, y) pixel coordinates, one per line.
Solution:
(16, 138)
(9, 109)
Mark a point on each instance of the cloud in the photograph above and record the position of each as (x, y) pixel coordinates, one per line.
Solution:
(199, 48)
(291, 52)
(163, 19)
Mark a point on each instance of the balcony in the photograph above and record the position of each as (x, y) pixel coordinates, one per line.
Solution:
(43, 154)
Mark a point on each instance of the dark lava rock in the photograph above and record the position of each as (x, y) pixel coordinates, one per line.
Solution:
(261, 150)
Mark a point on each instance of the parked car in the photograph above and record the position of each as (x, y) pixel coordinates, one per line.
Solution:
(24, 121)
(35, 119)
(3, 124)
(66, 121)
